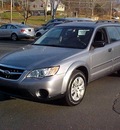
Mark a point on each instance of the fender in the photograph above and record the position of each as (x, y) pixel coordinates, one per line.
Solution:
(69, 72)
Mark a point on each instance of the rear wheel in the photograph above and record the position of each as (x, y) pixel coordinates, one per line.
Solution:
(14, 37)
(76, 88)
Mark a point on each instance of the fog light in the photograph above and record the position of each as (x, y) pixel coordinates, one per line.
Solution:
(42, 93)
(38, 94)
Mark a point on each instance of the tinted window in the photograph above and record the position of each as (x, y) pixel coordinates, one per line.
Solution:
(113, 34)
(118, 28)
(12, 27)
(71, 37)
(101, 36)
(50, 26)
(3, 27)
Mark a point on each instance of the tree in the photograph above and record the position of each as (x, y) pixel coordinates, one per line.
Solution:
(89, 8)
(54, 6)
(23, 7)
(26, 11)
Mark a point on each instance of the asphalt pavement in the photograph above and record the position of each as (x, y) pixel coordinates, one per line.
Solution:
(99, 110)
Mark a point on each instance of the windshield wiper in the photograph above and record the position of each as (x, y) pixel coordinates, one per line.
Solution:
(52, 45)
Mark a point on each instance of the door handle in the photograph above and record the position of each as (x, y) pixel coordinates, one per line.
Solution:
(110, 49)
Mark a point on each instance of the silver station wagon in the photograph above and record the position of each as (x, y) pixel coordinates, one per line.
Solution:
(62, 62)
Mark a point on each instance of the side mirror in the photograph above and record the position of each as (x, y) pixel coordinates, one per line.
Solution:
(97, 44)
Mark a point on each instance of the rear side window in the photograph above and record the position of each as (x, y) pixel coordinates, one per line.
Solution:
(113, 34)
(12, 27)
(118, 28)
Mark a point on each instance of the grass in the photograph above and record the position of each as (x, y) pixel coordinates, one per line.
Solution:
(33, 20)
(17, 17)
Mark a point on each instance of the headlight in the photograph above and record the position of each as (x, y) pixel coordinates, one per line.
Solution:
(40, 73)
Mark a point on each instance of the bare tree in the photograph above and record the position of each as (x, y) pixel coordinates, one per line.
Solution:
(89, 8)
(23, 7)
(26, 13)
(54, 6)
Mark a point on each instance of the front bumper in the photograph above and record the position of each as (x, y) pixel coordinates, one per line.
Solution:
(45, 88)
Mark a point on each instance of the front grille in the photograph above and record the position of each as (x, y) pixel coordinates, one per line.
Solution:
(10, 72)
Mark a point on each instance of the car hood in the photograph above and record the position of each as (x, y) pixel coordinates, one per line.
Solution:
(38, 56)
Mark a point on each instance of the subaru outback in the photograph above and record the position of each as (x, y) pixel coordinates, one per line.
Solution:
(62, 62)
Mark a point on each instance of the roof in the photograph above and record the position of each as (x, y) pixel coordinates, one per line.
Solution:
(90, 24)
(77, 19)
(16, 24)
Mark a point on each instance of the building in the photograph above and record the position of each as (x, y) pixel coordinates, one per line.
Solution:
(38, 7)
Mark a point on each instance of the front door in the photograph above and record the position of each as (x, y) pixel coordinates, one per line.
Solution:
(101, 57)
(3, 29)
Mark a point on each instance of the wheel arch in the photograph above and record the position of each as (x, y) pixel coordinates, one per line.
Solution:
(76, 66)
(84, 70)
(15, 34)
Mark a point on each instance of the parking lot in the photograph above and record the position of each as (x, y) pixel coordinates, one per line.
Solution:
(99, 110)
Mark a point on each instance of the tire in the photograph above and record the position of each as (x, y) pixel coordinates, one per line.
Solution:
(118, 72)
(14, 37)
(76, 88)
(38, 35)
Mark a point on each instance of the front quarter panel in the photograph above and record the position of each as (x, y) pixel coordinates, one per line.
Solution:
(69, 72)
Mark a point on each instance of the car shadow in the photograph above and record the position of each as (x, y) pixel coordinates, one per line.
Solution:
(57, 102)
(5, 97)
(114, 75)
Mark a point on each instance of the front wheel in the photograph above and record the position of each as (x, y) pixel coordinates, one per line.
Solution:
(76, 88)
(38, 34)
(118, 72)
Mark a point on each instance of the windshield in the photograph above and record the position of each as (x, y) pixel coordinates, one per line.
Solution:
(70, 37)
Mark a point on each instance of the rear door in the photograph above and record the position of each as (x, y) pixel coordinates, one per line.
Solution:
(114, 34)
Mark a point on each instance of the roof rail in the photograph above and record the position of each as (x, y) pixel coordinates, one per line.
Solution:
(107, 21)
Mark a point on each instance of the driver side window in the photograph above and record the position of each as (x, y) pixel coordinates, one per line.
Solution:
(100, 39)
(100, 36)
